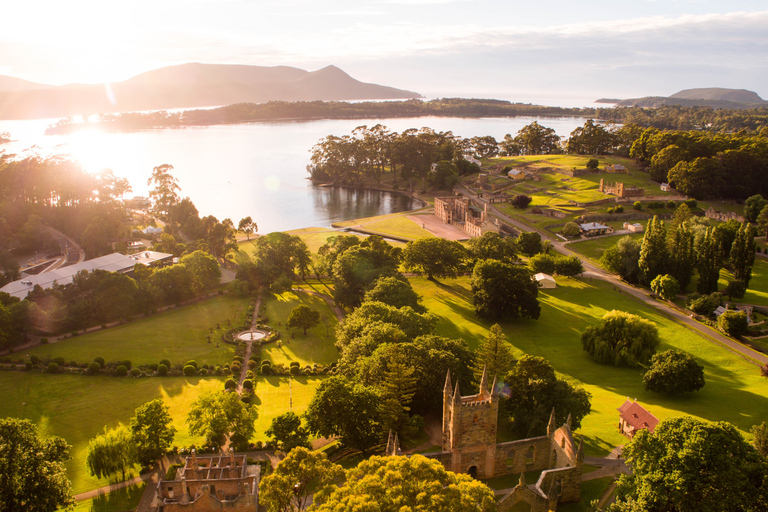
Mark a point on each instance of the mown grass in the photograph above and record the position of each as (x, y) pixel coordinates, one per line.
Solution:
(115, 501)
(593, 249)
(396, 224)
(178, 335)
(590, 490)
(317, 346)
(734, 392)
(78, 408)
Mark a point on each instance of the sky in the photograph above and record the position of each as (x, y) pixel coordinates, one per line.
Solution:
(540, 51)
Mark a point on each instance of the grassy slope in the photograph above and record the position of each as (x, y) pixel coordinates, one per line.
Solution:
(593, 249)
(396, 224)
(734, 391)
(178, 335)
(318, 344)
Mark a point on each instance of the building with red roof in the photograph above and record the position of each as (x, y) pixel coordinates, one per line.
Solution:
(633, 418)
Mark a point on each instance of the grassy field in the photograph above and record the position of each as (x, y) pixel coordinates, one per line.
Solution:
(396, 224)
(758, 285)
(734, 391)
(115, 501)
(593, 249)
(314, 347)
(177, 335)
(77, 407)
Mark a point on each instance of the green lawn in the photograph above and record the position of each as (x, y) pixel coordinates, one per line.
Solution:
(78, 407)
(396, 224)
(593, 249)
(734, 391)
(317, 346)
(179, 334)
(590, 490)
(757, 293)
(115, 501)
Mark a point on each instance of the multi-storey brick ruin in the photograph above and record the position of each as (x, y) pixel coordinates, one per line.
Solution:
(620, 190)
(461, 212)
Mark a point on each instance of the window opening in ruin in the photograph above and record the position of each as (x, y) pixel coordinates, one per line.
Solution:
(529, 455)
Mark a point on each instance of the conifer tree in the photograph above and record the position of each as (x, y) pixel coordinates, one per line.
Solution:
(709, 260)
(653, 252)
(743, 254)
(682, 256)
(397, 389)
(495, 355)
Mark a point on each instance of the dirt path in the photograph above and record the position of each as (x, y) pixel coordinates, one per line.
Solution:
(249, 344)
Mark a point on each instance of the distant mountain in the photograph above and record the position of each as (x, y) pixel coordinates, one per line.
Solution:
(714, 97)
(188, 86)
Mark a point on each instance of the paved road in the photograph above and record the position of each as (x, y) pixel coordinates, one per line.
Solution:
(593, 270)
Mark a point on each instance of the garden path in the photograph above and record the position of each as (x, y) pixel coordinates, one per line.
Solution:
(249, 344)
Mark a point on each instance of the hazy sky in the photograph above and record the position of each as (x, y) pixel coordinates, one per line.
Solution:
(523, 51)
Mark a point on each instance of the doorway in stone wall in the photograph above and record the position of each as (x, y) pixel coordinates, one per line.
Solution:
(472, 471)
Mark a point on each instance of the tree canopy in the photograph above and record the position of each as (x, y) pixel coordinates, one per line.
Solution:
(689, 464)
(504, 291)
(673, 372)
(436, 257)
(32, 473)
(413, 483)
(111, 453)
(216, 414)
(621, 339)
(535, 391)
(287, 432)
(303, 317)
(152, 431)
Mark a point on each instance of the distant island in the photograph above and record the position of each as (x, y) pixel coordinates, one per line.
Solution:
(187, 86)
(713, 97)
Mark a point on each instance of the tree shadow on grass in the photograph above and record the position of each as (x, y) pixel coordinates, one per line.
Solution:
(121, 499)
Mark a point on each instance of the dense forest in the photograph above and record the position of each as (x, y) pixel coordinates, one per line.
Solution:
(667, 117)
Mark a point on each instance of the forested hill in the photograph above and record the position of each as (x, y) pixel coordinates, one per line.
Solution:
(671, 117)
(187, 86)
(713, 97)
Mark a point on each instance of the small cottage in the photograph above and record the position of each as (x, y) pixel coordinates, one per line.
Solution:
(633, 418)
(545, 281)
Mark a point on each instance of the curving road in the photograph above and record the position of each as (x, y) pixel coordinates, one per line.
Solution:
(638, 294)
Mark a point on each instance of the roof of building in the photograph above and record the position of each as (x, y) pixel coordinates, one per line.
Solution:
(636, 416)
(114, 262)
(592, 225)
(515, 172)
(150, 230)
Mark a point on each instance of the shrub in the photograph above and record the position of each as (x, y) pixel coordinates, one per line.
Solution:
(192, 363)
(619, 209)
(230, 384)
(593, 163)
(126, 363)
(611, 210)
(622, 339)
(239, 359)
(733, 323)
(295, 370)
(281, 284)
(671, 204)
(121, 371)
(152, 367)
(571, 229)
(59, 361)
(266, 370)
(53, 368)
(94, 368)
(28, 365)
(162, 370)
(673, 372)
(203, 372)
(166, 362)
(249, 374)
(247, 384)
(35, 359)
(135, 372)
(690, 203)
(637, 205)
(44, 341)
(99, 360)
(190, 370)
(252, 364)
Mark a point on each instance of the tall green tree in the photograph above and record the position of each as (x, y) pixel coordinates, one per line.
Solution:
(760, 433)
(415, 483)
(111, 452)
(535, 391)
(286, 430)
(709, 259)
(165, 191)
(689, 464)
(753, 205)
(622, 259)
(152, 431)
(301, 478)
(303, 317)
(504, 291)
(395, 291)
(622, 339)
(495, 355)
(397, 389)
(743, 254)
(665, 286)
(535, 139)
(247, 226)
(653, 251)
(436, 257)
(673, 372)
(350, 412)
(492, 246)
(682, 255)
(32, 473)
(762, 222)
(217, 414)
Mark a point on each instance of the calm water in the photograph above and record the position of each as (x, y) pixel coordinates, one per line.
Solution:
(256, 169)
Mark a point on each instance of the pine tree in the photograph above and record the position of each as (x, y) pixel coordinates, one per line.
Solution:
(682, 256)
(709, 260)
(653, 252)
(397, 389)
(495, 355)
(743, 254)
